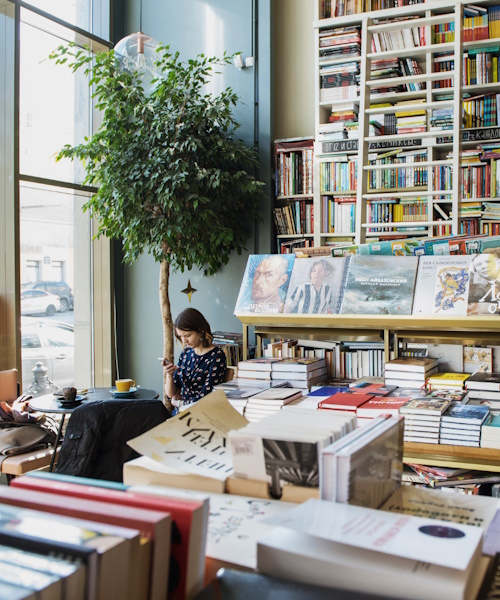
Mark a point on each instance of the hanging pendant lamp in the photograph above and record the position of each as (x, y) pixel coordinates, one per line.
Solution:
(137, 53)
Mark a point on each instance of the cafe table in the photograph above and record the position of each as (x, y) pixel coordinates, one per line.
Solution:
(50, 404)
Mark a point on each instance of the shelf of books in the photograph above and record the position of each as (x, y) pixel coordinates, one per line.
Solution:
(407, 137)
(294, 209)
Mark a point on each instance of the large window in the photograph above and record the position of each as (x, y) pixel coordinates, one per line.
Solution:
(54, 250)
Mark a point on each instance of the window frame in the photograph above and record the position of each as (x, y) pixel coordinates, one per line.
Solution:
(102, 293)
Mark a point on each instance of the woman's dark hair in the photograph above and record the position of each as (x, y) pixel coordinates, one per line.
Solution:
(191, 319)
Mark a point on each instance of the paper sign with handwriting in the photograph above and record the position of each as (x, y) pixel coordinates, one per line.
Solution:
(194, 441)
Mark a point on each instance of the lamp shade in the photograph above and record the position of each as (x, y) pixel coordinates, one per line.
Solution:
(137, 52)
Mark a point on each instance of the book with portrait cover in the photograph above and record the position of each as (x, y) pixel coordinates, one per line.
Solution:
(315, 285)
(484, 289)
(442, 286)
(265, 284)
(379, 285)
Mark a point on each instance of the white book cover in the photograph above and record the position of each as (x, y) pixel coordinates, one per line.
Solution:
(442, 286)
(302, 557)
(194, 440)
(451, 545)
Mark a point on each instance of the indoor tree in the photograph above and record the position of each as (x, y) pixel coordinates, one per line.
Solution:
(172, 178)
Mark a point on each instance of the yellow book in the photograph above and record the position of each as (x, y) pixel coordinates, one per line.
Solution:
(410, 113)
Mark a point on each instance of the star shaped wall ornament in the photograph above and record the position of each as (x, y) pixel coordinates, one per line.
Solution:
(189, 291)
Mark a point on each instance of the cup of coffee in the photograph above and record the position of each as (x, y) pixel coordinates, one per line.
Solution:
(124, 385)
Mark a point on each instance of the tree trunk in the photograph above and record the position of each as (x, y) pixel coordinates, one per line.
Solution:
(168, 325)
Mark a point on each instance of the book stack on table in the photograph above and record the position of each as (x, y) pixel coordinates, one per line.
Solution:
(410, 371)
(484, 386)
(490, 432)
(461, 425)
(264, 403)
(423, 419)
(447, 381)
(296, 372)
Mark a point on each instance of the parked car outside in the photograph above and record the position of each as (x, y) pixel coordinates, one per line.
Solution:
(59, 288)
(38, 302)
(51, 343)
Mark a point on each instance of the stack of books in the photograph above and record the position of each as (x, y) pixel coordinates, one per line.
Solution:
(461, 425)
(351, 467)
(256, 372)
(284, 447)
(490, 432)
(237, 393)
(410, 371)
(299, 372)
(423, 419)
(484, 386)
(264, 403)
(447, 381)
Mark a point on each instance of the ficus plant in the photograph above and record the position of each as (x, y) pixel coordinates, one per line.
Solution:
(172, 178)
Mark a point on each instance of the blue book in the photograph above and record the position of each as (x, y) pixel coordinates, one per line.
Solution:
(328, 391)
(465, 414)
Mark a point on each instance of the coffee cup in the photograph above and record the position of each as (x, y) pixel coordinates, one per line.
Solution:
(124, 385)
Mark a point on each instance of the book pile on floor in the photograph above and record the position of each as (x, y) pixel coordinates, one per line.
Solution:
(264, 403)
(364, 467)
(284, 447)
(423, 419)
(409, 371)
(490, 432)
(461, 425)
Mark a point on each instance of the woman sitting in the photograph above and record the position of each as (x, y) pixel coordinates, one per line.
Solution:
(201, 365)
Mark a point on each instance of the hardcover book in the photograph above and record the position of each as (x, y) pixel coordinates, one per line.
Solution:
(484, 289)
(257, 364)
(379, 285)
(445, 380)
(315, 285)
(484, 381)
(364, 469)
(381, 406)
(413, 364)
(189, 517)
(425, 406)
(344, 401)
(465, 414)
(265, 284)
(302, 364)
(442, 286)
(155, 526)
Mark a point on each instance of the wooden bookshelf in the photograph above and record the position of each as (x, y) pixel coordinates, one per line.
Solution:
(442, 455)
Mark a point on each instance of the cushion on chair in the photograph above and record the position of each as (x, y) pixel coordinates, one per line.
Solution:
(8, 385)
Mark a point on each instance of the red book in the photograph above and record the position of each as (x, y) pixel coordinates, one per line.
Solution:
(153, 525)
(189, 526)
(381, 406)
(344, 401)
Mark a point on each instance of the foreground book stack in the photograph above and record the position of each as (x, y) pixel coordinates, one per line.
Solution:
(164, 534)
(484, 386)
(423, 419)
(409, 372)
(284, 447)
(364, 467)
(461, 425)
(368, 550)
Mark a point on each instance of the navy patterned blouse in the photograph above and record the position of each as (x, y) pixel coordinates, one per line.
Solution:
(196, 376)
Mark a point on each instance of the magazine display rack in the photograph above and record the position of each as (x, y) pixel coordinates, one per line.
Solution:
(464, 330)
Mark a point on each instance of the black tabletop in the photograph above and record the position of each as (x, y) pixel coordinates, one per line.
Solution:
(50, 403)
